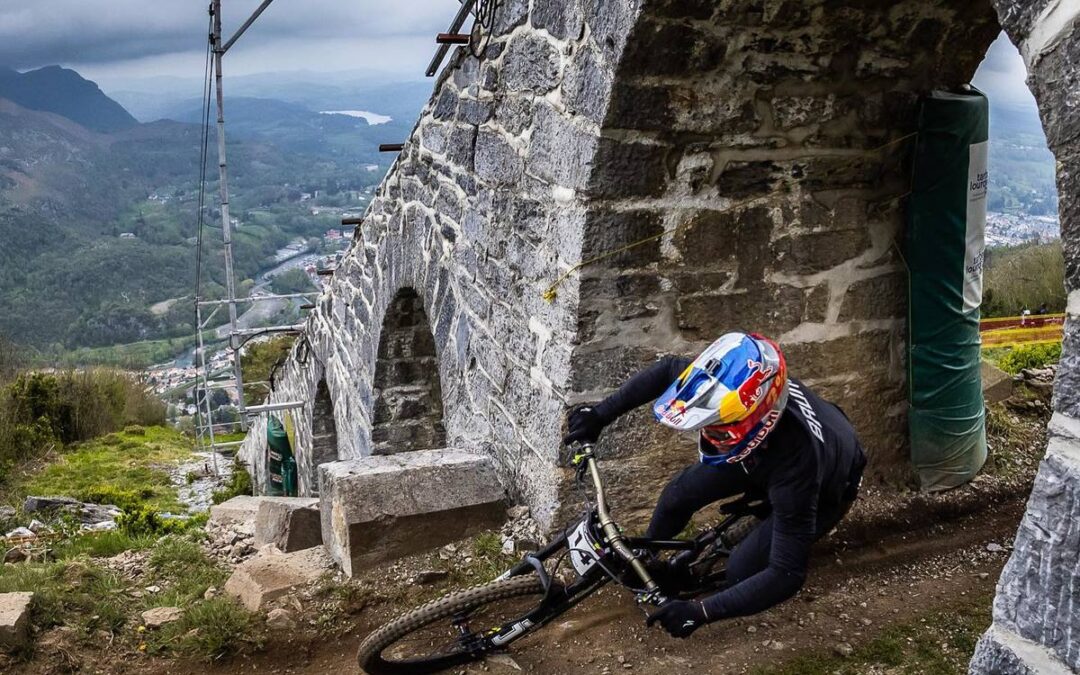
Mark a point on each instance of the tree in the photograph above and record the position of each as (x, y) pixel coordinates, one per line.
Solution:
(11, 359)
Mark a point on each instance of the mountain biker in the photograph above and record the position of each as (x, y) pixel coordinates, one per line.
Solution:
(760, 432)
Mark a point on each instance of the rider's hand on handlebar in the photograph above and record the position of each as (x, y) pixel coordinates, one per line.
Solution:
(583, 425)
(680, 618)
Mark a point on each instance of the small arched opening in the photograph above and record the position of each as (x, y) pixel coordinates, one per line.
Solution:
(324, 441)
(408, 396)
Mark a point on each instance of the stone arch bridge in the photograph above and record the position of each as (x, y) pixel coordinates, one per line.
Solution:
(757, 146)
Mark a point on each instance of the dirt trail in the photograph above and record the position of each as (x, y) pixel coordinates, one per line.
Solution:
(852, 595)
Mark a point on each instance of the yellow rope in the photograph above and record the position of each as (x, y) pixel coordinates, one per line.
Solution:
(552, 291)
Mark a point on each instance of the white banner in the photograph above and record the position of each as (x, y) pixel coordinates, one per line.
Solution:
(974, 250)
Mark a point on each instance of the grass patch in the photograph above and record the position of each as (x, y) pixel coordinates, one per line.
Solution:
(84, 595)
(122, 468)
(239, 484)
(101, 545)
(210, 628)
(488, 560)
(938, 644)
(78, 593)
(216, 628)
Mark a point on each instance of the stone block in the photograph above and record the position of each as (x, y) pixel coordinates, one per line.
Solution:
(818, 251)
(14, 620)
(377, 509)
(271, 575)
(1000, 652)
(610, 230)
(559, 151)
(880, 297)
(997, 385)
(1036, 590)
(238, 511)
(291, 523)
(628, 169)
(829, 358)
(587, 84)
(496, 160)
(770, 309)
(562, 19)
(531, 63)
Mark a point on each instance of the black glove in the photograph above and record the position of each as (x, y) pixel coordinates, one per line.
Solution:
(680, 618)
(583, 425)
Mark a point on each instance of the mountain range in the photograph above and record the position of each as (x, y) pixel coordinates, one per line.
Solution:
(66, 93)
(98, 211)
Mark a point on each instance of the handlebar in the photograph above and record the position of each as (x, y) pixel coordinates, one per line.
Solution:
(584, 459)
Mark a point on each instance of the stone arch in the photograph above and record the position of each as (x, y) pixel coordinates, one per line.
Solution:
(765, 146)
(324, 440)
(407, 406)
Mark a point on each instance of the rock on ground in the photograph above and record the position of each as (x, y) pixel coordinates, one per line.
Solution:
(15, 620)
(280, 619)
(160, 616)
(267, 577)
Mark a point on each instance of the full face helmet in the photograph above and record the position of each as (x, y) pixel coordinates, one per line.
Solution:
(733, 393)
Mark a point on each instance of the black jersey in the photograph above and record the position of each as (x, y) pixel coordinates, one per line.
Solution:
(806, 467)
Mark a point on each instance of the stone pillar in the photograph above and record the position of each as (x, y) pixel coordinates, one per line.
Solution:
(1036, 626)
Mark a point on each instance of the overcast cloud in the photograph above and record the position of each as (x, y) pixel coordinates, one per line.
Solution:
(1002, 75)
(114, 39)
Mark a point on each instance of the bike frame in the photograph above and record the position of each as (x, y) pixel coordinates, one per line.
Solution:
(612, 556)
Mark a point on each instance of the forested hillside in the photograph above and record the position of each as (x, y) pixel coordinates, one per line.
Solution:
(97, 228)
(1023, 276)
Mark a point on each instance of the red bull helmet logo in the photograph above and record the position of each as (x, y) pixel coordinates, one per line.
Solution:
(750, 389)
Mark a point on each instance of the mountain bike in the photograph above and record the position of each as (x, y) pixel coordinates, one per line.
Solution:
(465, 626)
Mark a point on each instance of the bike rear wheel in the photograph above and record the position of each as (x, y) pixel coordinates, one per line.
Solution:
(450, 631)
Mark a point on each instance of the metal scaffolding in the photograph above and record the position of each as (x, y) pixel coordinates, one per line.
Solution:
(207, 429)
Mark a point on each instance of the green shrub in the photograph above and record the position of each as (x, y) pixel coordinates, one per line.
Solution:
(145, 522)
(39, 411)
(125, 500)
(1029, 356)
(239, 484)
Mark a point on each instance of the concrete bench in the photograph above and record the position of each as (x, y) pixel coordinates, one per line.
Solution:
(380, 508)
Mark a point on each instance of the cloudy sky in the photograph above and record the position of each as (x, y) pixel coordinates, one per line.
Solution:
(113, 41)
(110, 40)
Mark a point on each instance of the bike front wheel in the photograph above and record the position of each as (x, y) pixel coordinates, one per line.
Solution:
(456, 629)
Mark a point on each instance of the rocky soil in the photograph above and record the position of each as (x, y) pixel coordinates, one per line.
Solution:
(901, 559)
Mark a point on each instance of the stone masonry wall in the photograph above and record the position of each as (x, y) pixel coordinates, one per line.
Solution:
(1036, 626)
(479, 213)
(764, 145)
(763, 140)
(408, 396)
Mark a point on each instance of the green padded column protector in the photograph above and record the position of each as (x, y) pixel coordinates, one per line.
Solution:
(946, 224)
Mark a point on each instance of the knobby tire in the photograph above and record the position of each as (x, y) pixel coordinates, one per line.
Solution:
(370, 654)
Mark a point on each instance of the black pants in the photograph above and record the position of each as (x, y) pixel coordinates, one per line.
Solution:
(699, 485)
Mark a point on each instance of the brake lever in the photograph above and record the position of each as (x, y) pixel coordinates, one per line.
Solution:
(577, 455)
